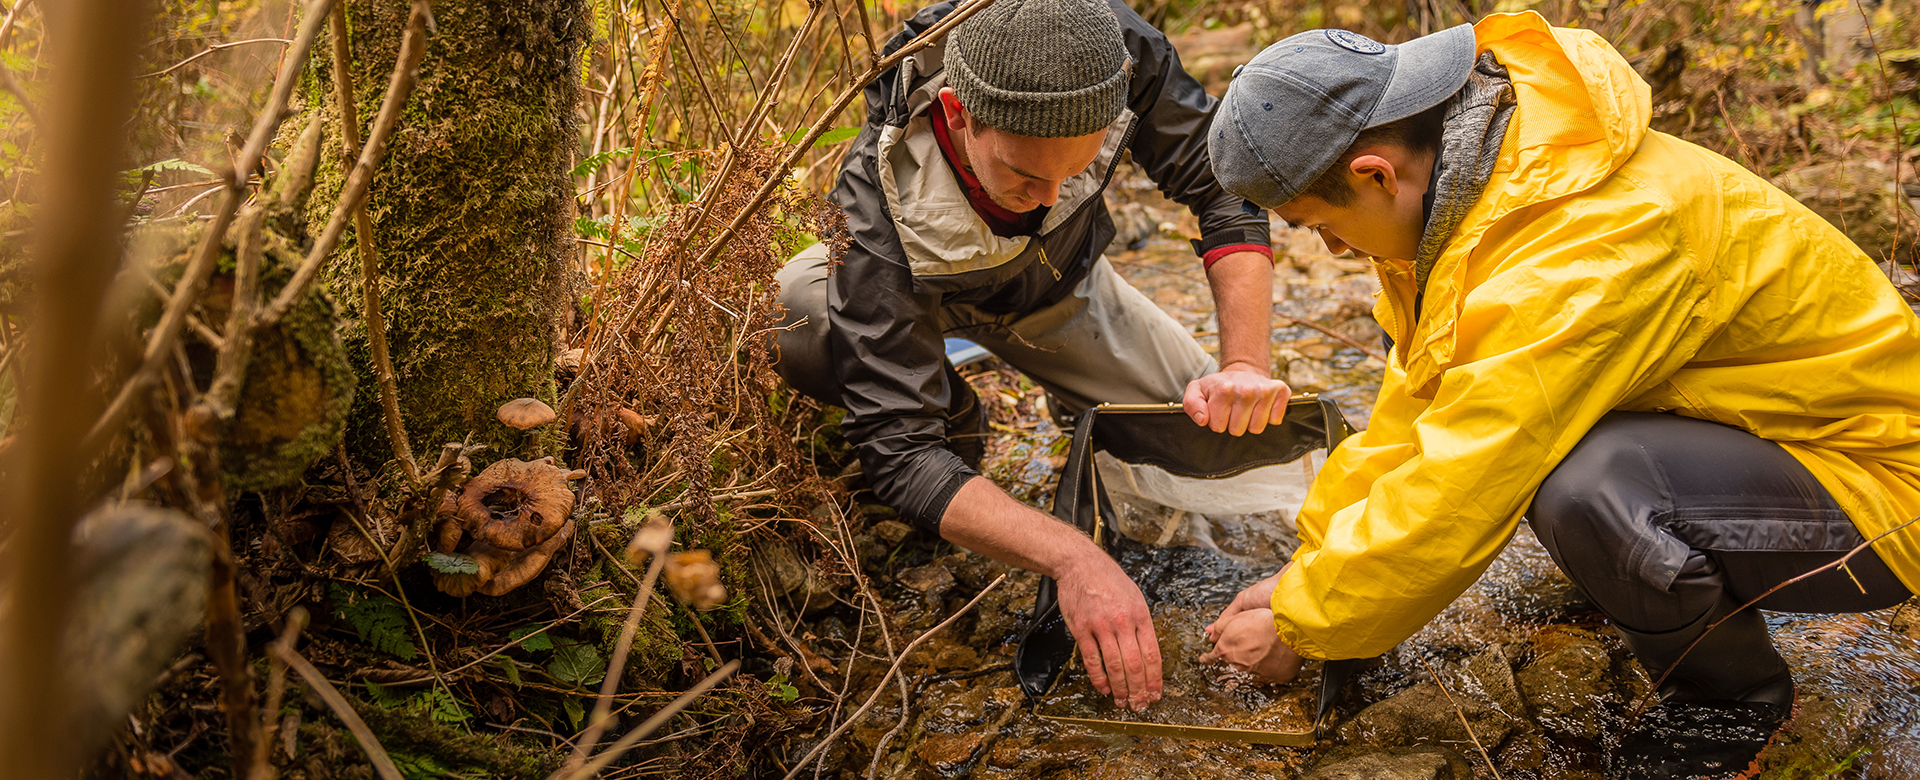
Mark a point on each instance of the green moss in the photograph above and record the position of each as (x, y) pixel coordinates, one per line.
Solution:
(472, 217)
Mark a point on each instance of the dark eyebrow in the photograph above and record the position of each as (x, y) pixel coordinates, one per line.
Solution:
(1024, 173)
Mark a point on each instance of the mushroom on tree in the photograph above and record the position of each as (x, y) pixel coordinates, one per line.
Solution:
(525, 413)
(510, 519)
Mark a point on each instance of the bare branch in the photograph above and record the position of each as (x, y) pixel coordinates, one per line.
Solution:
(369, 257)
(603, 708)
(211, 48)
(376, 754)
(651, 724)
(413, 46)
(825, 121)
(276, 688)
(194, 281)
(881, 686)
(76, 250)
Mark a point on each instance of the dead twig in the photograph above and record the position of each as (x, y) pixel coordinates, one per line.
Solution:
(194, 280)
(276, 688)
(1336, 335)
(452, 467)
(1462, 712)
(826, 120)
(211, 48)
(904, 654)
(369, 255)
(617, 665)
(1838, 563)
(376, 754)
(406, 70)
(649, 726)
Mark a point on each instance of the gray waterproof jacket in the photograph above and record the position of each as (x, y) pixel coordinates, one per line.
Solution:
(917, 245)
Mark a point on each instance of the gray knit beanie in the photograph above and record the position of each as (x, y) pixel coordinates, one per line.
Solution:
(1040, 68)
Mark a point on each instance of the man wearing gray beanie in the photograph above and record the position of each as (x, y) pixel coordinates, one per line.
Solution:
(973, 203)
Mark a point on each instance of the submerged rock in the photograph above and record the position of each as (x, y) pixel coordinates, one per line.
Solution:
(1423, 714)
(1569, 685)
(1417, 763)
(948, 753)
(1489, 677)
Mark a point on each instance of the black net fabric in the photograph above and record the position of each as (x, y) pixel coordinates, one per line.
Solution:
(1161, 436)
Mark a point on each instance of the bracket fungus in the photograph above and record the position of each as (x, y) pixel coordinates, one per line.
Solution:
(510, 519)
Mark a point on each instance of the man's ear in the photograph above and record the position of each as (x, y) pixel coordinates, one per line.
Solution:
(1372, 170)
(957, 117)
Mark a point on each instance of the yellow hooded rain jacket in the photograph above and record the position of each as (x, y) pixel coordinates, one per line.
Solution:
(1606, 266)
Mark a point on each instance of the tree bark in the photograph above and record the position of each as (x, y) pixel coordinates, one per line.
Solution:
(471, 215)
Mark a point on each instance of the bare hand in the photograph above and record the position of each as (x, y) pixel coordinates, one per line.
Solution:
(1256, 596)
(1109, 619)
(1248, 642)
(1237, 399)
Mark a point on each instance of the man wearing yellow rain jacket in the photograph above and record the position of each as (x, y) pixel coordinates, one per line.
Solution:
(1693, 387)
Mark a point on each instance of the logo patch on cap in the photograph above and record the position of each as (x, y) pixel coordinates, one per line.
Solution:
(1355, 42)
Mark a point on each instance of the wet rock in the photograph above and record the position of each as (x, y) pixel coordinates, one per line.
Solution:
(1906, 619)
(1569, 685)
(1489, 678)
(956, 658)
(932, 580)
(1416, 763)
(948, 753)
(810, 590)
(960, 704)
(1424, 715)
(1306, 375)
(1364, 330)
(1526, 751)
(1212, 54)
(1133, 225)
(1046, 757)
(1323, 270)
(1524, 584)
(891, 532)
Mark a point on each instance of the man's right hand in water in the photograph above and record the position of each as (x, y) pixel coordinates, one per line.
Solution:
(1257, 596)
(1103, 608)
(1109, 619)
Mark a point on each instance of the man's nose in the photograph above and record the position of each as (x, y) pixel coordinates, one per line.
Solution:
(1047, 193)
(1334, 245)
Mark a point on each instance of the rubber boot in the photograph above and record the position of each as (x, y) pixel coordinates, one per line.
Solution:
(1736, 661)
(1723, 701)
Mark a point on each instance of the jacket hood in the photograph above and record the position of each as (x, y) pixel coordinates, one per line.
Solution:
(1582, 109)
(1581, 114)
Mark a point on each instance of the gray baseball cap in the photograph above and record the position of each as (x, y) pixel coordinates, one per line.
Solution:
(1295, 108)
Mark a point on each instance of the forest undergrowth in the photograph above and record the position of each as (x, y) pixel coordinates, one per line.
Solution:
(710, 130)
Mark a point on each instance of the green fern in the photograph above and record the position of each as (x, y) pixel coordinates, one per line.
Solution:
(441, 706)
(380, 621)
(414, 767)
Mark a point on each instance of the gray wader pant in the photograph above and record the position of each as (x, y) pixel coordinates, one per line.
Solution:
(1669, 523)
(1105, 343)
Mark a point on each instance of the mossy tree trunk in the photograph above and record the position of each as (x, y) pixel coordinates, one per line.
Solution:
(471, 213)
